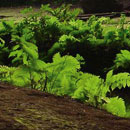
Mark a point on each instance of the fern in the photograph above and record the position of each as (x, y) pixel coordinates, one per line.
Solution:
(122, 60)
(116, 106)
(32, 75)
(95, 26)
(7, 27)
(2, 43)
(32, 69)
(63, 13)
(21, 77)
(66, 67)
(26, 10)
(62, 44)
(91, 88)
(77, 28)
(6, 73)
(119, 80)
(23, 50)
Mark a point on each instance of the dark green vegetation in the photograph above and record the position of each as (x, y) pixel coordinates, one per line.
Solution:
(48, 52)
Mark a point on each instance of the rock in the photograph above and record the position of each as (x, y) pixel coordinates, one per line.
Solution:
(101, 6)
(126, 4)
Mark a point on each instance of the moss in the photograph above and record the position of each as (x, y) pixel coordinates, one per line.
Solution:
(25, 122)
(46, 116)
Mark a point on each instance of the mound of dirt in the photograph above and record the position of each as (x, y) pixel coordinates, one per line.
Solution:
(26, 109)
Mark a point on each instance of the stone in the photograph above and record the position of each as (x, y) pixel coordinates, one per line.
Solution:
(101, 6)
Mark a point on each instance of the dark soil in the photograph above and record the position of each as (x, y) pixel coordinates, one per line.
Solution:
(26, 109)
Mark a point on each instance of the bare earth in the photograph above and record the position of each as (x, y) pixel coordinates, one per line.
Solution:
(26, 109)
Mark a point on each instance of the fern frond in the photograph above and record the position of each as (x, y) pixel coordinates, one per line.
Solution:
(61, 45)
(23, 50)
(62, 74)
(6, 72)
(116, 106)
(122, 60)
(120, 80)
(91, 88)
(21, 76)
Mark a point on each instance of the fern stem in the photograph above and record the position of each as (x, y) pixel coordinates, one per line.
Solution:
(45, 85)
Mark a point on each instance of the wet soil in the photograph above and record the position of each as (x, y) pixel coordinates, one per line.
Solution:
(26, 109)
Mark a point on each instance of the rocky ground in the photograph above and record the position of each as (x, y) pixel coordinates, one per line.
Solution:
(26, 109)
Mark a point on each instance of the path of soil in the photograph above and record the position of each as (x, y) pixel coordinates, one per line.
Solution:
(25, 109)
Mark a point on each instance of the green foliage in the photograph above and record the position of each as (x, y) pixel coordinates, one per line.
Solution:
(62, 74)
(92, 88)
(122, 60)
(6, 73)
(6, 27)
(62, 44)
(61, 32)
(2, 44)
(116, 106)
(31, 68)
(120, 80)
(20, 77)
(26, 10)
(27, 50)
(3, 50)
(31, 43)
(30, 75)
(63, 13)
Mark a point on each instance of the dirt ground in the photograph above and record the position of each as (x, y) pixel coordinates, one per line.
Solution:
(13, 13)
(26, 109)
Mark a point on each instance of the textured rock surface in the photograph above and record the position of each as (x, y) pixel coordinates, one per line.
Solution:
(101, 6)
(26, 109)
(126, 4)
